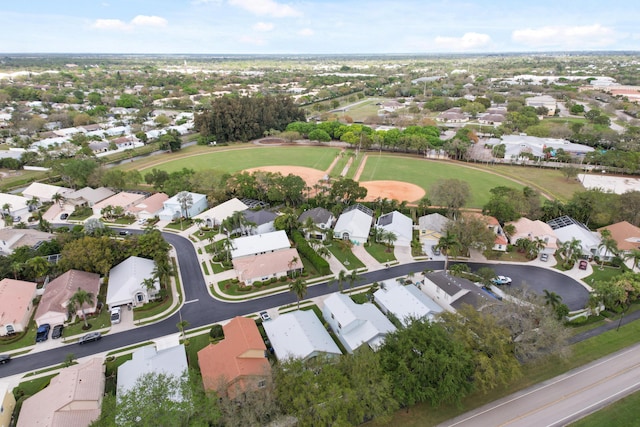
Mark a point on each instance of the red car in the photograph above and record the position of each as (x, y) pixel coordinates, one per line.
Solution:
(583, 264)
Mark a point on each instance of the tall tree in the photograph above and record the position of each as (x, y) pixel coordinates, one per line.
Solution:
(450, 193)
(299, 289)
(78, 301)
(448, 245)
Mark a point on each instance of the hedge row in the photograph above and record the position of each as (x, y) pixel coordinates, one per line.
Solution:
(307, 251)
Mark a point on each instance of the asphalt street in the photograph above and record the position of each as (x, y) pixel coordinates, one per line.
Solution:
(200, 309)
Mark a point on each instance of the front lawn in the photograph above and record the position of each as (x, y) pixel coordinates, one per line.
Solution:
(380, 252)
(345, 256)
(602, 275)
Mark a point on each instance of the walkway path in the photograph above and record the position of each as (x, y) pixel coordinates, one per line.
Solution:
(356, 177)
(369, 262)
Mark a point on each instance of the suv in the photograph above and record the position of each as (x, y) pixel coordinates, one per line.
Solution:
(64, 216)
(115, 315)
(57, 331)
(4, 358)
(264, 316)
(42, 334)
(93, 336)
(123, 233)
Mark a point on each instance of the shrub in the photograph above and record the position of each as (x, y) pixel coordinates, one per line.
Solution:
(274, 280)
(257, 284)
(306, 251)
(247, 288)
(283, 279)
(216, 332)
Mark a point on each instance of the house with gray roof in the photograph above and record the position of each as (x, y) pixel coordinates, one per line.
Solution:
(405, 302)
(398, 224)
(261, 221)
(126, 282)
(354, 224)
(322, 220)
(88, 196)
(450, 292)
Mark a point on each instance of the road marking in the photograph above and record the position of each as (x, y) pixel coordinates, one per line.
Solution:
(190, 301)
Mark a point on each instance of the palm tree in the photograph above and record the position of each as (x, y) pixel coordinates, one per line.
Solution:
(163, 272)
(182, 325)
(16, 269)
(79, 299)
(342, 277)
(6, 210)
(571, 250)
(353, 278)
(33, 203)
(39, 266)
(609, 245)
(634, 256)
(552, 299)
(448, 245)
(325, 253)
(291, 263)
(58, 198)
(390, 238)
(299, 288)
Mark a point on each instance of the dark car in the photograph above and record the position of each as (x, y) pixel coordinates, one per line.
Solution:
(64, 216)
(583, 264)
(4, 358)
(123, 233)
(57, 331)
(92, 336)
(42, 334)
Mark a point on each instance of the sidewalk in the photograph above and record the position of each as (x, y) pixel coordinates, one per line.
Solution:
(369, 262)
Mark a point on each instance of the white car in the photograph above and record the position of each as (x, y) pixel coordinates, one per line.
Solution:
(115, 315)
(264, 316)
(501, 280)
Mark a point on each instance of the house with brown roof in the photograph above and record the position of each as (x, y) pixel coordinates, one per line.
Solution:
(238, 363)
(500, 243)
(122, 199)
(16, 305)
(626, 235)
(528, 229)
(149, 207)
(72, 399)
(264, 266)
(55, 299)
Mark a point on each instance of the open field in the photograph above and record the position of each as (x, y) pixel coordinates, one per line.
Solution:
(425, 173)
(236, 160)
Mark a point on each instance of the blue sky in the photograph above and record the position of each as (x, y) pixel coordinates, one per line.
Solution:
(317, 26)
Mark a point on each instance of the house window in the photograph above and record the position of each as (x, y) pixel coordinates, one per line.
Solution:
(332, 316)
(140, 298)
(262, 384)
(339, 325)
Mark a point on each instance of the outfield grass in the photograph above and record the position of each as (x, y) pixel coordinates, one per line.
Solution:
(425, 173)
(238, 159)
(623, 413)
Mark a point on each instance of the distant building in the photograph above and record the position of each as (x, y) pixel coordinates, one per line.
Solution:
(546, 101)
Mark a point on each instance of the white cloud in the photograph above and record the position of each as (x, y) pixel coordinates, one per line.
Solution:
(252, 40)
(306, 32)
(149, 21)
(110, 24)
(266, 7)
(585, 36)
(263, 26)
(468, 41)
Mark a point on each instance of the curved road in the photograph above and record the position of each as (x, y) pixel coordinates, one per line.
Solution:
(563, 399)
(200, 309)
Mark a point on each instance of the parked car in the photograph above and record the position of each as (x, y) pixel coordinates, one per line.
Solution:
(123, 233)
(264, 316)
(4, 358)
(142, 221)
(583, 264)
(17, 218)
(57, 331)
(544, 257)
(42, 334)
(92, 336)
(64, 216)
(115, 315)
(501, 280)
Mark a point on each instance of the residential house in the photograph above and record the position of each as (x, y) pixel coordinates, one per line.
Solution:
(238, 363)
(7, 404)
(16, 305)
(88, 196)
(44, 193)
(172, 208)
(267, 266)
(261, 221)
(567, 228)
(626, 235)
(453, 115)
(355, 324)
(546, 101)
(53, 306)
(500, 243)
(400, 225)
(150, 207)
(430, 229)
(214, 216)
(122, 200)
(12, 238)
(534, 146)
(451, 292)
(491, 119)
(99, 147)
(322, 220)
(528, 229)
(405, 302)
(260, 244)
(14, 206)
(73, 398)
(354, 224)
(300, 335)
(127, 282)
(170, 361)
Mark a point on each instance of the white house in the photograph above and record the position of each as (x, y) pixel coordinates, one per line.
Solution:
(399, 224)
(13, 205)
(44, 192)
(354, 224)
(405, 302)
(171, 361)
(322, 220)
(172, 209)
(88, 196)
(261, 221)
(451, 292)
(260, 244)
(356, 324)
(214, 216)
(567, 228)
(13, 238)
(546, 101)
(149, 207)
(299, 335)
(527, 229)
(126, 282)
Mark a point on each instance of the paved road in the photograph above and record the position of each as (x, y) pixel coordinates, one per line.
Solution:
(200, 309)
(563, 399)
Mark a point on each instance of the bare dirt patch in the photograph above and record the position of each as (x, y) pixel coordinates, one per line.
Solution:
(398, 190)
(311, 176)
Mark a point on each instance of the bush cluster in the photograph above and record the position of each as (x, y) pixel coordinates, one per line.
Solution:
(307, 251)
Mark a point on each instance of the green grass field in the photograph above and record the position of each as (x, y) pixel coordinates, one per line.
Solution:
(236, 160)
(425, 173)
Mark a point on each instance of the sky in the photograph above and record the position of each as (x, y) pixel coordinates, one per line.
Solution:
(317, 26)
